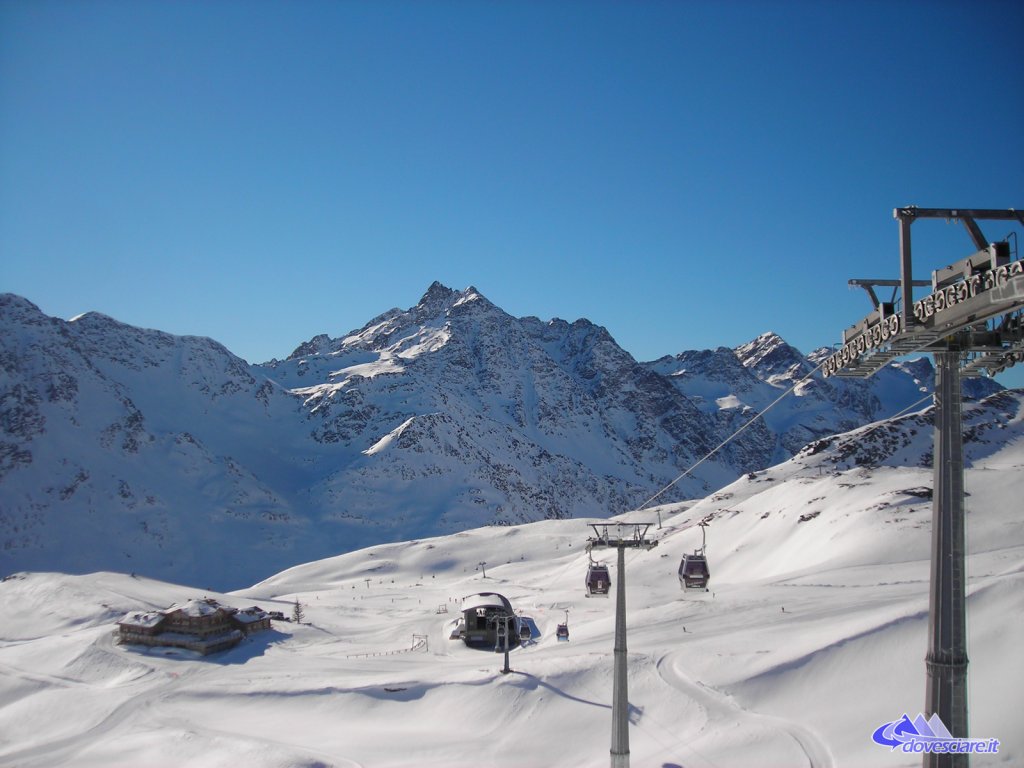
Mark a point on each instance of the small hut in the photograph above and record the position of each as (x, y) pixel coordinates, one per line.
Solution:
(251, 620)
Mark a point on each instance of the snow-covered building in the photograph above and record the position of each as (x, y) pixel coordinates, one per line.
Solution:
(253, 619)
(481, 615)
(204, 625)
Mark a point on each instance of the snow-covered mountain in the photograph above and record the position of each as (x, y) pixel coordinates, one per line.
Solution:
(132, 449)
(135, 450)
(734, 384)
(484, 417)
(812, 637)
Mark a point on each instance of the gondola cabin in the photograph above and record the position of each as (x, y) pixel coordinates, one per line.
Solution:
(598, 582)
(562, 633)
(525, 633)
(694, 574)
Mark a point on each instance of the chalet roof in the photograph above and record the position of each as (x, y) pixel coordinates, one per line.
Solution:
(197, 608)
(250, 615)
(139, 619)
(192, 609)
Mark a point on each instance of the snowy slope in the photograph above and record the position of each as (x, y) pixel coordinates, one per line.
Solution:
(814, 634)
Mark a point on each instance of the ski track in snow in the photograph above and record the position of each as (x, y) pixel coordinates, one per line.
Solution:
(722, 707)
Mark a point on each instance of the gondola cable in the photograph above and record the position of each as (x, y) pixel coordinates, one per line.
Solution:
(757, 416)
(911, 407)
(733, 436)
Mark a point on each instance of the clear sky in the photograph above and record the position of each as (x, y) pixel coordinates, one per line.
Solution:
(686, 174)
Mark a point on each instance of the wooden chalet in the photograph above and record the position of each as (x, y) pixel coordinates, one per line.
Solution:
(204, 626)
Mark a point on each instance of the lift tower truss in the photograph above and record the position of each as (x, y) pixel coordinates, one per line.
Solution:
(621, 536)
(971, 322)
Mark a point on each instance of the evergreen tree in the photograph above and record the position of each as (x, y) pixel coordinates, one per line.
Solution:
(297, 613)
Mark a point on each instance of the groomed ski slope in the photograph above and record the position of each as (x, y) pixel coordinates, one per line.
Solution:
(813, 636)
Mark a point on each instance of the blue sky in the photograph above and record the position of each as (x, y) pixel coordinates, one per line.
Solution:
(686, 174)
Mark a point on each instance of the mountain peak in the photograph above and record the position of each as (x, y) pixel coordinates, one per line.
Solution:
(14, 301)
(437, 294)
(440, 299)
(769, 356)
(95, 319)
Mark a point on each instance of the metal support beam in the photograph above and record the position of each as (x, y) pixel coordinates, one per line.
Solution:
(502, 634)
(991, 214)
(906, 273)
(951, 322)
(906, 217)
(979, 239)
(869, 286)
(946, 662)
(620, 692)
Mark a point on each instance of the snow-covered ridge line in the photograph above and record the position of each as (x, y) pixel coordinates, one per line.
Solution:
(138, 450)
